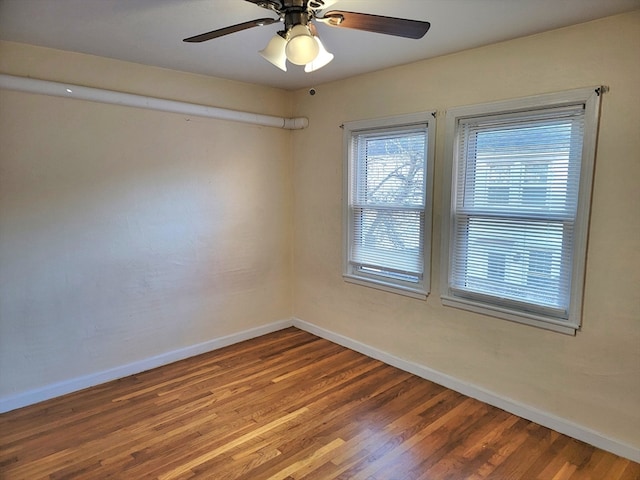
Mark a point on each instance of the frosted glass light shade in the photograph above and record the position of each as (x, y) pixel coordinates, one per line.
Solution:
(301, 48)
(274, 52)
(321, 59)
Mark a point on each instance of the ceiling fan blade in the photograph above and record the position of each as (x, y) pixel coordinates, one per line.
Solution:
(232, 29)
(271, 4)
(399, 27)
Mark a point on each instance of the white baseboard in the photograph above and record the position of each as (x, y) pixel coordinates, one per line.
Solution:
(525, 411)
(47, 392)
(558, 424)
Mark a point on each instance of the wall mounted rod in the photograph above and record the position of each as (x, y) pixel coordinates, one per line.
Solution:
(45, 87)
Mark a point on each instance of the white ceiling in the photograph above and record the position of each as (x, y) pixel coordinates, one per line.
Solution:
(151, 32)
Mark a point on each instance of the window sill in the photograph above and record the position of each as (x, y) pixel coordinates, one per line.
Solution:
(387, 286)
(526, 318)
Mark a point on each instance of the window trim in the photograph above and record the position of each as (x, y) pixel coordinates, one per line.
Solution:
(419, 290)
(590, 97)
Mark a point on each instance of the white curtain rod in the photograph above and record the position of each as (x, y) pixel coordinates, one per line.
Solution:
(46, 87)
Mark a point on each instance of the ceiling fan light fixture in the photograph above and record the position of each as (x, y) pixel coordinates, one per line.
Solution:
(274, 52)
(323, 58)
(298, 42)
(302, 48)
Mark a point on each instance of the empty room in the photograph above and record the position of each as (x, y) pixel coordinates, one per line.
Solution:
(320, 239)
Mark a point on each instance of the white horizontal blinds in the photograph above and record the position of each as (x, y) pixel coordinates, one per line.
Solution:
(516, 197)
(388, 201)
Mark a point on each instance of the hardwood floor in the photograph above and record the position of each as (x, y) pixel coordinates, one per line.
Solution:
(286, 406)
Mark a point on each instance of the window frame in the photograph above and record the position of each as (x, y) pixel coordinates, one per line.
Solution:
(418, 289)
(590, 98)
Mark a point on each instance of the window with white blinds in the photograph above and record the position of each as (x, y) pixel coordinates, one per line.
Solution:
(388, 171)
(516, 233)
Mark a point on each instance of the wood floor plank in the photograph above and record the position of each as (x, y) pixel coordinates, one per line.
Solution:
(286, 406)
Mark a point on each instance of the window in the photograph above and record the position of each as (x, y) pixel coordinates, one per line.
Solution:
(387, 190)
(514, 237)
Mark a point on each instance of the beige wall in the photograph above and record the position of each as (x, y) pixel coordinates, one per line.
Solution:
(592, 379)
(128, 233)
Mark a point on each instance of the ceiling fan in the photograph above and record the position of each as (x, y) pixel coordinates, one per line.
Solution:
(298, 41)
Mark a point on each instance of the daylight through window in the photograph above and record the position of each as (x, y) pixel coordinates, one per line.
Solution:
(387, 174)
(516, 237)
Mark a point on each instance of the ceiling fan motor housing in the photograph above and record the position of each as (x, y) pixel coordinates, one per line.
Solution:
(299, 43)
(296, 12)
